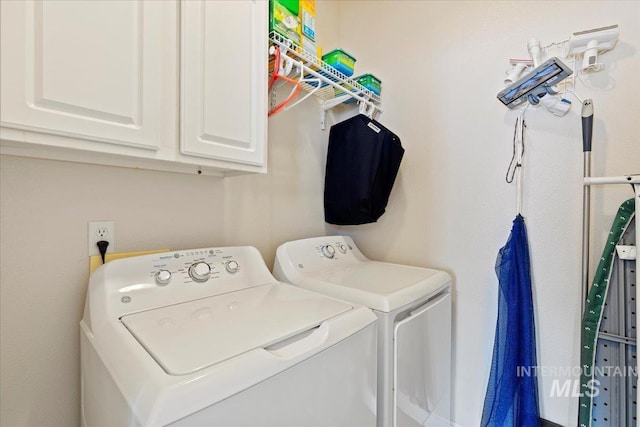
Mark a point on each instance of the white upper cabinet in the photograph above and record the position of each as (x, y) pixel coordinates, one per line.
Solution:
(127, 83)
(223, 79)
(86, 69)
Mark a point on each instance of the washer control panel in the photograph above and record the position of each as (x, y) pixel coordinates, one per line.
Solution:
(163, 277)
(232, 266)
(200, 271)
(195, 266)
(151, 281)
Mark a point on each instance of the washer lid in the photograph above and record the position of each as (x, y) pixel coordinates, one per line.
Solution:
(378, 285)
(191, 336)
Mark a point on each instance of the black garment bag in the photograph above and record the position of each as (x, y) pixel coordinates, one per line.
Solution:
(363, 159)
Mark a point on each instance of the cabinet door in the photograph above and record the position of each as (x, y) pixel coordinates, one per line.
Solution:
(224, 79)
(85, 69)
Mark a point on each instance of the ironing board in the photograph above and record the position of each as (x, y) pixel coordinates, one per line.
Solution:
(608, 339)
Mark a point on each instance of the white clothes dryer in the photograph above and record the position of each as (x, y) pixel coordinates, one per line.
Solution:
(413, 306)
(208, 337)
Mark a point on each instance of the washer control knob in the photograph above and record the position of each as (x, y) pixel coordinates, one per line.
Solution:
(200, 271)
(232, 266)
(342, 248)
(163, 277)
(328, 251)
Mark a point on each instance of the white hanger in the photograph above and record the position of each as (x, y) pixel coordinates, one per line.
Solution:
(306, 80)
(367, 108)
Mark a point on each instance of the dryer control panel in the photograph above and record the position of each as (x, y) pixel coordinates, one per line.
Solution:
(318, 254)
(140, 283)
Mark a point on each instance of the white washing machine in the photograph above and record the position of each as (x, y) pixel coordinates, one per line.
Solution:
(413, 306)
(207, 337)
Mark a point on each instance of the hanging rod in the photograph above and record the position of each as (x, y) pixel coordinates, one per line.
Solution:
(601, 180)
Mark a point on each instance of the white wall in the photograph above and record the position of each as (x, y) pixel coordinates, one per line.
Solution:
(267, 210)
(45, 206)
(442, 64)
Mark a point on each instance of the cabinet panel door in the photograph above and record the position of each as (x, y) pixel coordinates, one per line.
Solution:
(224, 79)
(86, 69)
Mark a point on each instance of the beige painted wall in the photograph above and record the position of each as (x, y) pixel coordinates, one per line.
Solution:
(45, 206)
(450, 208)
(442, 64)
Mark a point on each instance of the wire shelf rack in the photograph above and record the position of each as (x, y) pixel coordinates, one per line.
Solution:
(334, 88)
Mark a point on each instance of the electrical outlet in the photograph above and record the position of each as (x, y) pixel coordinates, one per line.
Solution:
(101, 230)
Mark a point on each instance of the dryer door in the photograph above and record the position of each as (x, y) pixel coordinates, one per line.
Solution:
(422, 365)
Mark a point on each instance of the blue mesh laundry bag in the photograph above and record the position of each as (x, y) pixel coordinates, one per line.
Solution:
(363, 160)
(512, 392)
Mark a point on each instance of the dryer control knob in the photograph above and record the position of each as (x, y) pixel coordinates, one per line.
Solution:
(232, 266)
(200, 271)
(342, 248)
(328, 251)
(163, 277)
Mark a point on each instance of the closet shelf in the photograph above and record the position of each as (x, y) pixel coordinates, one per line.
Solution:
(317, 78)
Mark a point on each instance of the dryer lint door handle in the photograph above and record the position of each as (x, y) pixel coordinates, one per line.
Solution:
(426, 306)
